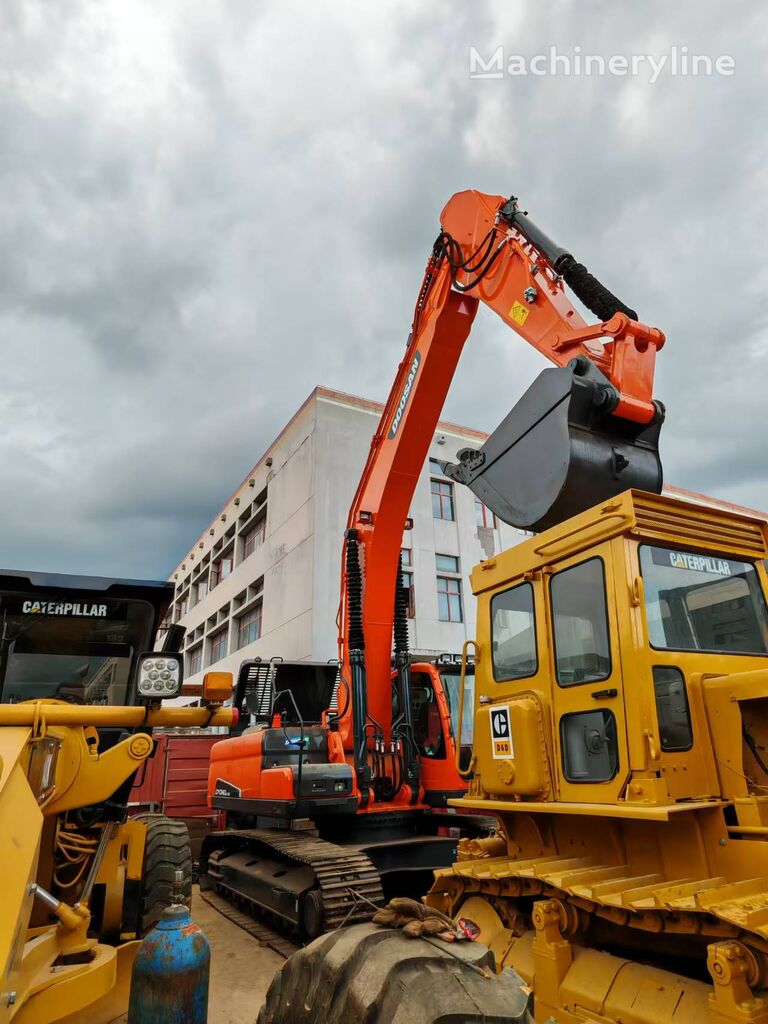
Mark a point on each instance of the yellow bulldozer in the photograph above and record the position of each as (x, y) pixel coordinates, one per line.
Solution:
(81, 882)
(621, 741)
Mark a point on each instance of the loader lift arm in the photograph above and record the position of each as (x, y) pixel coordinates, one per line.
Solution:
(587, 430)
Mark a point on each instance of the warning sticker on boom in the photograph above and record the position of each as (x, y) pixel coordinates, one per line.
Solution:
(518, 313)
(501, 732)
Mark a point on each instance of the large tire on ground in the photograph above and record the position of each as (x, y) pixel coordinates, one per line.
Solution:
(379, 976)
(166, 851)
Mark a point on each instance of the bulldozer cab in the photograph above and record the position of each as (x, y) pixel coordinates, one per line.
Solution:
(75, 638)
(623, 660)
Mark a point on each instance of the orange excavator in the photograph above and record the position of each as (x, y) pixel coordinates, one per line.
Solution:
(330, 787)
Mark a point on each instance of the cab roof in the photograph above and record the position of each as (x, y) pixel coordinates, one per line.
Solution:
(159, 593)
(654, 517)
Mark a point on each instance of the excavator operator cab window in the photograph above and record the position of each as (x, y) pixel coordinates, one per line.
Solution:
(427, 724)
(580, 624)
(451, 687)
(696, 602)
(513, 626)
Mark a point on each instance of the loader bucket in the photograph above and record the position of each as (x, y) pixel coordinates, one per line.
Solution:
(560, 451)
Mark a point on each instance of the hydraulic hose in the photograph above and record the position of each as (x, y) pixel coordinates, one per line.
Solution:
(585, 286)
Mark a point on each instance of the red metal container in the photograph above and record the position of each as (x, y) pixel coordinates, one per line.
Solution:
(175, 782)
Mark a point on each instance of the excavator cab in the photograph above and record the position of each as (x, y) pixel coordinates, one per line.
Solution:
(435, 687)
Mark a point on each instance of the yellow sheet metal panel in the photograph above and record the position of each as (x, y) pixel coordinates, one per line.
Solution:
(85, 776)
(569, 538)
(20, 832)
(72, 991)
(510, 749)
(661, 518)
(653, 516)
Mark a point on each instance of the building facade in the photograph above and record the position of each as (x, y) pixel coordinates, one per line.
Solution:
(263, 579)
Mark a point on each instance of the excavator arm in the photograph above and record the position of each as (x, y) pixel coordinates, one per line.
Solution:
(585, 430)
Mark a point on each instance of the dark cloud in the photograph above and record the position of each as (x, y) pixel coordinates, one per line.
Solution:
(208, 209)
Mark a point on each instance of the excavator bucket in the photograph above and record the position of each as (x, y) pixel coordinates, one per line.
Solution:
(560, 450)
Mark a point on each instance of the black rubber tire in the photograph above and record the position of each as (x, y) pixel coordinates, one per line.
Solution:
(379, 976)
(166, 851)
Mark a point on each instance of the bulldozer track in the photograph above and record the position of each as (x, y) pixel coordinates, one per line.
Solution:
(348, 882)
(705, 906)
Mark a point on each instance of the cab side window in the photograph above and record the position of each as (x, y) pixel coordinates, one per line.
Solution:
(427, 726)
(580, 624)
(513, 631)
(675, 730)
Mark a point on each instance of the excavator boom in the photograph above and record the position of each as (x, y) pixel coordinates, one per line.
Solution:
(586, 430)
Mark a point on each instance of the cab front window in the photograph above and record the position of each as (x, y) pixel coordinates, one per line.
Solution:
(697, 602)
(78, 651)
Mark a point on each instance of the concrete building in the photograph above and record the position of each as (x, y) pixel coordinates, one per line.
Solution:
(263, 578)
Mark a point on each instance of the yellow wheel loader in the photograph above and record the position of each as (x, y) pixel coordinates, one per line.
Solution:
(80, 883)
(621, 741)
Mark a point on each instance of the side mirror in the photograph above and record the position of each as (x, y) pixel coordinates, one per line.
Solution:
(159, 676)
(217, 687)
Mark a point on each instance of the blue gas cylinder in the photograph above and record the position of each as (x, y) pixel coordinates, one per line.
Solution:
(169, 982)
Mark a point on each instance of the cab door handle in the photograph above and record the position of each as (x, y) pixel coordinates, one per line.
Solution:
(604, 694)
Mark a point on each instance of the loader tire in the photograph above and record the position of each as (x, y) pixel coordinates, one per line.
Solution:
(379, 976)
(166, 851)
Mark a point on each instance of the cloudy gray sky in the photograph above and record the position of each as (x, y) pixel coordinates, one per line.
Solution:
(208, 208)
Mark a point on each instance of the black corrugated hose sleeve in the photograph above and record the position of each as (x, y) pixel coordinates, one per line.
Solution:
(590, 291)
(356, 638)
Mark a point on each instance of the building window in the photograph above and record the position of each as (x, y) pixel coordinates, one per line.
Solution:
(195, 660)
(447, 563)
(484, 516)
(220, 570)
(406, 562)
(249, 627)
(442, 500)
(182, 608)
(449, 605)
(254, 537)
(435, 468)
(218, 646)
(202, 590)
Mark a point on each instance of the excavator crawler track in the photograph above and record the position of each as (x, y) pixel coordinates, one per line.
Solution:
(345, 881)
